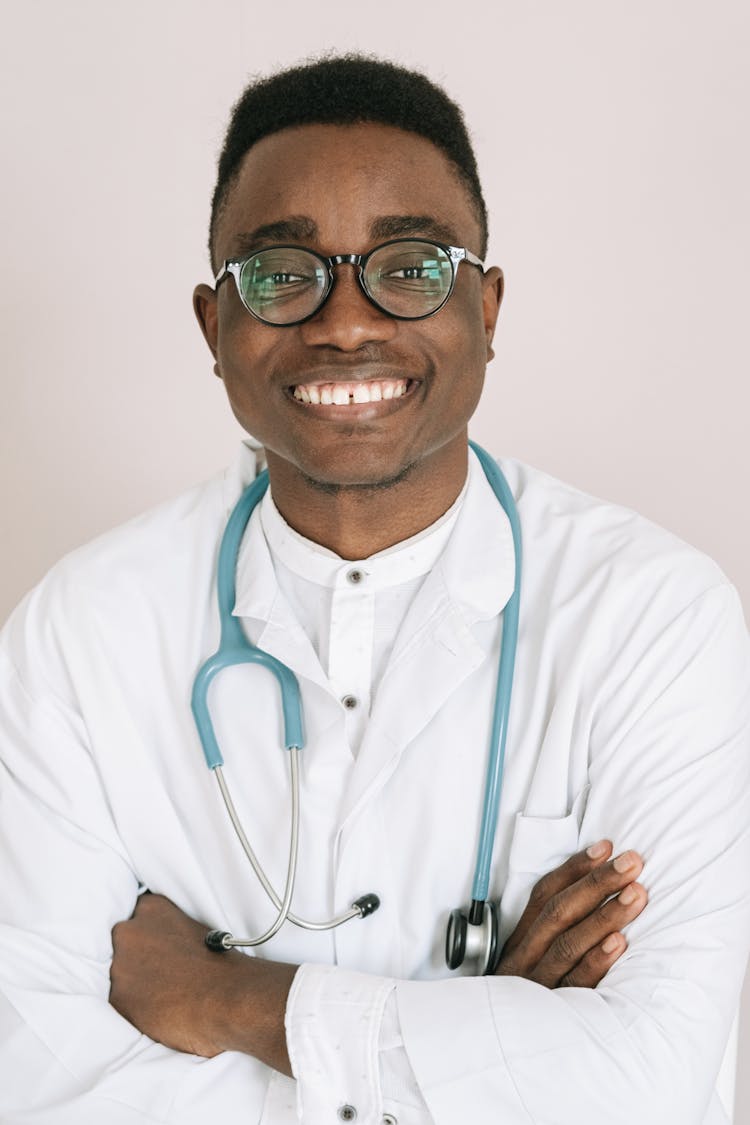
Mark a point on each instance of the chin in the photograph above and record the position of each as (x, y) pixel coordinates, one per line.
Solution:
(369, 484)
(348, 464)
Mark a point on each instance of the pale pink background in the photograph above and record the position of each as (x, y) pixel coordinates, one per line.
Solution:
(612, 140)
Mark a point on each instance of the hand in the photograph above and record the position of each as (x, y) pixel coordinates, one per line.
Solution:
(172, 988)
(569, 932)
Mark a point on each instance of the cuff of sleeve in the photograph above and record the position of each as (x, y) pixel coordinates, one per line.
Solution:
(333, 1018)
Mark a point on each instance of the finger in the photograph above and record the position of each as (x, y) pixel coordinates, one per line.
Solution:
(568, 908)
(554, 882)
(592, 968)
(575, 903)
(569, 948)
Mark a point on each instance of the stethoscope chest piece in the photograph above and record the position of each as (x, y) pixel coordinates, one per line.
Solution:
(466, 941)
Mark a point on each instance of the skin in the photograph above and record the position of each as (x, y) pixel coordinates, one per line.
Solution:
(204, 1003)
(345, 190)
(355, 479)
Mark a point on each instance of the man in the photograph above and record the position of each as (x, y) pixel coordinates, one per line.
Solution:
(353, 344)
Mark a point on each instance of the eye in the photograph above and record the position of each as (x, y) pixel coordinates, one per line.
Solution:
(285, 278)
(276, 272)
(408, 273)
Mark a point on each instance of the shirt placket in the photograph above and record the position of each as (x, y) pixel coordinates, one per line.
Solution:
(351, 633)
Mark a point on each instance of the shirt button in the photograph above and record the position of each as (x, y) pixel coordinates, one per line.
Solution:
(347, 1113)
(355, 576)
(389, 1119)
(350, 702)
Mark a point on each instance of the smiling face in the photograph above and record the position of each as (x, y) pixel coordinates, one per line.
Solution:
(401, 391)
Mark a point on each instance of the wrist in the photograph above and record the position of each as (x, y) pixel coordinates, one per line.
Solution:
(250, 1008)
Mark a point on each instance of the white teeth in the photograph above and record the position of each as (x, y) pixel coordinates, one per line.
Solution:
(343, 394)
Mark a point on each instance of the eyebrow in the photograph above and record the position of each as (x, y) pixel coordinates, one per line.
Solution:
(406, 226)
(302, 229)
(297, 228)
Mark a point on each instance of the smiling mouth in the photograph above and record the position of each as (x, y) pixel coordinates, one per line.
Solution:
(352, 393)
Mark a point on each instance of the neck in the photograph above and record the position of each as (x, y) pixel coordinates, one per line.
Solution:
(358, 520)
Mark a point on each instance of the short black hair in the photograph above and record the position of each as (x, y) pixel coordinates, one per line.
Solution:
(345, 90)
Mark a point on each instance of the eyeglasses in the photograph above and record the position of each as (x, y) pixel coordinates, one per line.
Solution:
(406, 278)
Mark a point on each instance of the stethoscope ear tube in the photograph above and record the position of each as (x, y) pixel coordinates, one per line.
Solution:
(219, 941)
(234, 647)
(501, 713)
(476, 937)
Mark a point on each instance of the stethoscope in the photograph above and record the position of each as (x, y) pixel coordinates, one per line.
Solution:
(471, 935)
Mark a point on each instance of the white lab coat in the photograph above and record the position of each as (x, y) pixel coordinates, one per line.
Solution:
(630, 719)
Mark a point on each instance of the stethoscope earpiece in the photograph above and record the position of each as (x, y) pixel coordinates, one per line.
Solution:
(477, 941)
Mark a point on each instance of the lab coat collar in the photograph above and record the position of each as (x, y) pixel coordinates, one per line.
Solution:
(270, 622)
(478, 563)
(268, 618)
(249, 462)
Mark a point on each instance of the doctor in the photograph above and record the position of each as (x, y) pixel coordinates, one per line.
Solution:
(377, 567)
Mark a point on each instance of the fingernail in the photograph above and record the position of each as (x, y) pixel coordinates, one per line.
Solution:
(610, 944)
(628, 896)
(596, 851)
(624, 862)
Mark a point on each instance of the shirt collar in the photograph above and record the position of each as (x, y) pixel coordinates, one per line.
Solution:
(475, 560)
(411, 558)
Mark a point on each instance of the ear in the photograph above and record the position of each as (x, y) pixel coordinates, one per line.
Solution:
(493, 287)
(205, 306)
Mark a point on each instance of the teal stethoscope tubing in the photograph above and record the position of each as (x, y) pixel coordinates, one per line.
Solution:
(234, 648)
(503, 691)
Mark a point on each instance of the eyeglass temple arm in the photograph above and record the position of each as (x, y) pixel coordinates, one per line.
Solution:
(461, 254)
(223, 274)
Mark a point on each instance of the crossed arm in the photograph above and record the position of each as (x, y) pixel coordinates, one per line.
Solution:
(200, 1002)
(668, 770)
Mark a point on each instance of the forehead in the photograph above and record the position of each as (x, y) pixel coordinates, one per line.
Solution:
(345, 179)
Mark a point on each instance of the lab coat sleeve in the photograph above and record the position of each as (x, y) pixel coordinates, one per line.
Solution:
(670, 775)
(66, 1056)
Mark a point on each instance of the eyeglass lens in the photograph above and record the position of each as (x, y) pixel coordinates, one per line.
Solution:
(408, 279)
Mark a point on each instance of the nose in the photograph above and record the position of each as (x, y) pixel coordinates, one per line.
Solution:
(348, 320)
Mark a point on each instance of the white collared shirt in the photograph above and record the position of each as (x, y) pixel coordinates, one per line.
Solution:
(630, 719)
(352, 610)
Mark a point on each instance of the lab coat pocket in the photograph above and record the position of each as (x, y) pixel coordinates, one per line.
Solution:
(538, 845)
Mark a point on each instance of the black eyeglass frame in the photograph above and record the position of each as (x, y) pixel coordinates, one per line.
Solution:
(456, 254)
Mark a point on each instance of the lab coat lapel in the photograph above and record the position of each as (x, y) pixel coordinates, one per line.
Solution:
(268, 619)
(437, 647)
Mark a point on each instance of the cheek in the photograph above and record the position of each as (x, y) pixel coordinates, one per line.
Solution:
(466, 356)
(243, 353)
(465, 343)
